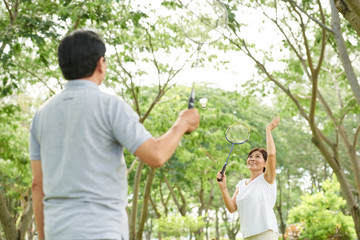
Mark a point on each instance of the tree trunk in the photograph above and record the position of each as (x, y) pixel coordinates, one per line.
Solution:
(279, 208)
(231, 230)
(204, 206)
(132, 222)
(217, 224)
(144, 211)
(232, 236)
(7, 221)
(351, 202)
(26, 220)
(350, 10)
(344, 56)
(31, 231)
(207, 229)
(148, 233)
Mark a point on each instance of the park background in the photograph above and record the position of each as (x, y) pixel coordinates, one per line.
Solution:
(295, 59)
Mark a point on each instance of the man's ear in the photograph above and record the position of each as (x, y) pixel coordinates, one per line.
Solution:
(101, 65)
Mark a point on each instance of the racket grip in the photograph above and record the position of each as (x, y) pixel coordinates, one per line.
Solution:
(222, 173)
(191, 103)
(192, 99)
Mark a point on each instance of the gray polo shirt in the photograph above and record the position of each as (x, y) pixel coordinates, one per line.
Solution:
(79, 136)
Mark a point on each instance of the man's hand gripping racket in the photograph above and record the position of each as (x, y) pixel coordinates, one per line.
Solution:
(190, 117)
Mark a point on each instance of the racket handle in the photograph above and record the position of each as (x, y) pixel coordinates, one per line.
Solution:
(222, 173)
(192, 98)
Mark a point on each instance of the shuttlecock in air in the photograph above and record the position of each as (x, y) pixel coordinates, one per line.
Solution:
(203, 102)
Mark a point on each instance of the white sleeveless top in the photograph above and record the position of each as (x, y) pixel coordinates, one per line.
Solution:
(255, 203)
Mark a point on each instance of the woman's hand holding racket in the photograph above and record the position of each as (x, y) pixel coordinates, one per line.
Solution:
(222, 182)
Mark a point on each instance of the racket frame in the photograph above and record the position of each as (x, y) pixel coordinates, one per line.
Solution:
(248, 137)
(200, 43)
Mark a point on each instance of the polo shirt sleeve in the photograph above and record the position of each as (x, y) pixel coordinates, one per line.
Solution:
(34, 145)
(126, 127)
(239, 184)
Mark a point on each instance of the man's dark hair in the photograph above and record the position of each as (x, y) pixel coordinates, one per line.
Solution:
(79, 53)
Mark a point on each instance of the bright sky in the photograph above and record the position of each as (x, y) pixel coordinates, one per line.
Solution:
(240, 67)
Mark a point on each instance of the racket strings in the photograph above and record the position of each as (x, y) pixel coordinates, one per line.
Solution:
(204, 20)
(237, 133)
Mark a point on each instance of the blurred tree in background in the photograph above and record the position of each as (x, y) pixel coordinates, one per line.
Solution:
(321, 215)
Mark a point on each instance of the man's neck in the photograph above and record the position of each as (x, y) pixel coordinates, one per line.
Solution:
(94, 79)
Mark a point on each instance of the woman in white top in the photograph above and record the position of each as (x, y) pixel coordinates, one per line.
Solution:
(255, 198)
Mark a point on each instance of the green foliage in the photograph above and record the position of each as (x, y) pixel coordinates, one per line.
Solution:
(15, 176)
(28, 28)
(13, 135)
(321, 216)
(176, 226)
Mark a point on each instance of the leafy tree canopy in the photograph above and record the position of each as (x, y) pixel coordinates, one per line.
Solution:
(321, 215)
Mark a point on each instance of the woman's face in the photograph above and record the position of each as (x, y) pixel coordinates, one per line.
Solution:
(256, 161)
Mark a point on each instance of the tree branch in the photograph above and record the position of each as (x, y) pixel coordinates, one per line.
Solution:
(323, 42)
(297, 53)
(14, 189)
(158, 215)
(333, 119)
(309, 16)
(37, 77)
(132, 166)
(9, 11)
(356, 136)
(336, 85)
(131, 87)
(271, 78)
(183, 199)
(306, 42)
(173, 195)
(162, 200)
(153, 54)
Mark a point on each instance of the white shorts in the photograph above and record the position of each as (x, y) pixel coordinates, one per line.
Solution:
(268, 235)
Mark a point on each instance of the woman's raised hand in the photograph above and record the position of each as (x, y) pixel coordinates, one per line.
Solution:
(274, 123)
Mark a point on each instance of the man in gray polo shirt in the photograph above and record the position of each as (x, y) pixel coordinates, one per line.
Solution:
(77, 139)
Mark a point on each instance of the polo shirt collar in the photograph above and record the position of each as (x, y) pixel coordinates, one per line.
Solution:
(80, 83)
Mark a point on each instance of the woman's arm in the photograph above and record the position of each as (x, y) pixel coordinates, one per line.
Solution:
(270, 171)
(229, 202)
